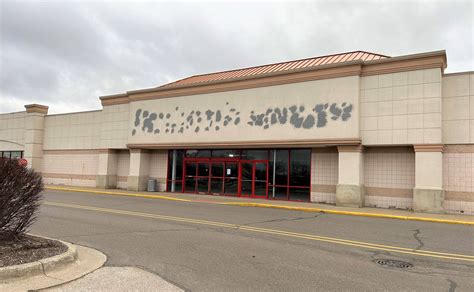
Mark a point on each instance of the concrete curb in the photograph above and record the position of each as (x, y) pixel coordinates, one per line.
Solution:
(285, 207)
(40, 267)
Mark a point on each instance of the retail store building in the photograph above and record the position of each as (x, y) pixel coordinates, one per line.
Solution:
(352, 129)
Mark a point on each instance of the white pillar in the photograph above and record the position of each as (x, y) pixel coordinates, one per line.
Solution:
(350, 185)
(139, 170)
(34, 135)
(428, 195)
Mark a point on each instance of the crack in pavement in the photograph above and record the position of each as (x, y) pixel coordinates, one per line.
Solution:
(452, 285)
(283, 219)
(420, 242)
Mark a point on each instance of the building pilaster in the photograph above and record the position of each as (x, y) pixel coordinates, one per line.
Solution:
(139, 170)
(428, 194)
(350, 186)
(34, 135)
(107, 170)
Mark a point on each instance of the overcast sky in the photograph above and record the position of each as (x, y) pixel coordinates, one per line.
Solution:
(67, 55)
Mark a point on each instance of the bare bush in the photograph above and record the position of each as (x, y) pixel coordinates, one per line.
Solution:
(20, 197)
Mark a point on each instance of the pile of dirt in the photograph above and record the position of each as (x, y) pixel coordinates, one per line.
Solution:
(26, 248)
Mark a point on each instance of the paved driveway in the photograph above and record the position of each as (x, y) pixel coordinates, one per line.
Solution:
(208, 247)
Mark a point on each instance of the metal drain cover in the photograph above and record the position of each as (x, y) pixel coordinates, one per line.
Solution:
(393, 264)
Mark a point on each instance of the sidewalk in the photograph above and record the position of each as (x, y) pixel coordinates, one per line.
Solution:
(297, 206)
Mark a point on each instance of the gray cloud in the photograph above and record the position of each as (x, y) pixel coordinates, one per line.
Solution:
(67, 55)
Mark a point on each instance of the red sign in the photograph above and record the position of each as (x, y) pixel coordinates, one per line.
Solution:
(23, 162)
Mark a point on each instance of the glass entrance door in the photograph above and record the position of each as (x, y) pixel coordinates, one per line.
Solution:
(254, 178)
(196, 177)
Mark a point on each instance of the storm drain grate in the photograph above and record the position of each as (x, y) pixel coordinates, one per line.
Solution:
(393, 264)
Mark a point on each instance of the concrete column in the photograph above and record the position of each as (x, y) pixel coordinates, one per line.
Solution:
(34, 135)
(428, 195)
(350, 185)
(139, 170)
(107, 170)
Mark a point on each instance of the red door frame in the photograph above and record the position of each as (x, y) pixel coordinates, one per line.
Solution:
(209, 161)
(253, 162)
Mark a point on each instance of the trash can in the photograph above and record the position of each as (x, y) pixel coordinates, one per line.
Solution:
(151, 185)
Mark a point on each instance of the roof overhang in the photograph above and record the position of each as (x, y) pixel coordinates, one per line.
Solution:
(429, 60)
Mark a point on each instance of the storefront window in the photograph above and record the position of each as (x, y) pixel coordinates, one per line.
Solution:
(281, 174)
(198, 153)
(290, 174)
(11, 154)
(225, 153)
(254, 154)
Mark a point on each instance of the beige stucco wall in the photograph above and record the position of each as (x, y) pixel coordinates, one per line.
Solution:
(324, 175)
(73, 131)
(114, 126)
(458, 108)
(389, 177)
(75, 168)
(12, 131)
(401, 108)
(458, 178)
(238, 107)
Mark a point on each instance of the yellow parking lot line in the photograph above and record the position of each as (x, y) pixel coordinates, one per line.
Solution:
(262, 205)
(116, 193)
(361, 244)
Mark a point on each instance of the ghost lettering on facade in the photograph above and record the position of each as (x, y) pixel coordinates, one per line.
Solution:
(297, 116)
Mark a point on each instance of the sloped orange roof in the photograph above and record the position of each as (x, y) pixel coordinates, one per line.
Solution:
(277, 67)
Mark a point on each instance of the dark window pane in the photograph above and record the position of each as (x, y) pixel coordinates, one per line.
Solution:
(270, 166)
(280, 193)
(260, 188)
(190, 185)
(230, 186)
(225, 153)
(299, 194)
(198, 153)
(281, 167)
(216, 185)
(246, 187)
(246, 170)
(179, 164)
(190, 169)
(231, 170)
(217, 169)
(203, 169)
(300, 160)
(260, 171)
(170, 164)
(254, 154)
(203, 185)
(178, 187)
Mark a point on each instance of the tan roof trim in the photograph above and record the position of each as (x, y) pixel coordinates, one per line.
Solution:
(458, 73)
(428, 148)
(427, 60)
(350, 148)
(403, 63)
(247, 144)
(36, 108)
